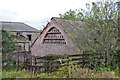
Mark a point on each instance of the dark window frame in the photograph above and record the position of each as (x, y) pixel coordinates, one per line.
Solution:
(29, 36)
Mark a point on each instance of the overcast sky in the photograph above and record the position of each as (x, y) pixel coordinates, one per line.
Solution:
(36, 13)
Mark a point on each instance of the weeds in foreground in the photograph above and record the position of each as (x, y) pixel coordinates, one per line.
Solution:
(71, 71)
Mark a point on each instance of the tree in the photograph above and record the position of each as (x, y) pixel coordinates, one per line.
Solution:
(8, 47)
(102, 30)
(8, 42)
(73, 14)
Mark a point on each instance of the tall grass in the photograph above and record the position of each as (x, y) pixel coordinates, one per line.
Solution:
(71, 71)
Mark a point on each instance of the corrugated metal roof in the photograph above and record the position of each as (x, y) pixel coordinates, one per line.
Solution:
(16, 26)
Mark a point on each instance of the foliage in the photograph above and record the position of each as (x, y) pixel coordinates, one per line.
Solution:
(71, 71)
(17, 74)
(8, 48)
(77, 14)
(8, 64)
(8, 43)
(100, 38)
(100, 41)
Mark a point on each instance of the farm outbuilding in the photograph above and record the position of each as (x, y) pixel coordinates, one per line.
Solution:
(60, 36)
(23, 33)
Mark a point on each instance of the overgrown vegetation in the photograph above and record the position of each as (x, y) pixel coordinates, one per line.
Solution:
(71, 71)
(8, 43)
(101, 38)
(8, 47)
(101, 41)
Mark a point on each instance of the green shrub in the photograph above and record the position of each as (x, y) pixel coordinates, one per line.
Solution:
(8, 64)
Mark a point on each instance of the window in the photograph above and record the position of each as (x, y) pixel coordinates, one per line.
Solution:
(18, 33)
(54, 36)
(29, 37)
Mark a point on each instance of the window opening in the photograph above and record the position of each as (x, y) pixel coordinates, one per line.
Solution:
(54, 36)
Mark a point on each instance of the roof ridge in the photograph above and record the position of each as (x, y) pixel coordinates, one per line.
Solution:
(17, 26)
(65, 19)
(10, 22)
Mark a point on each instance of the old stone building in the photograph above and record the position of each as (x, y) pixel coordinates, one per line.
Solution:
(23, 33)
(59, 37)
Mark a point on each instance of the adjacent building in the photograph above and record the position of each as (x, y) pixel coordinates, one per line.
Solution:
(23, 33)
